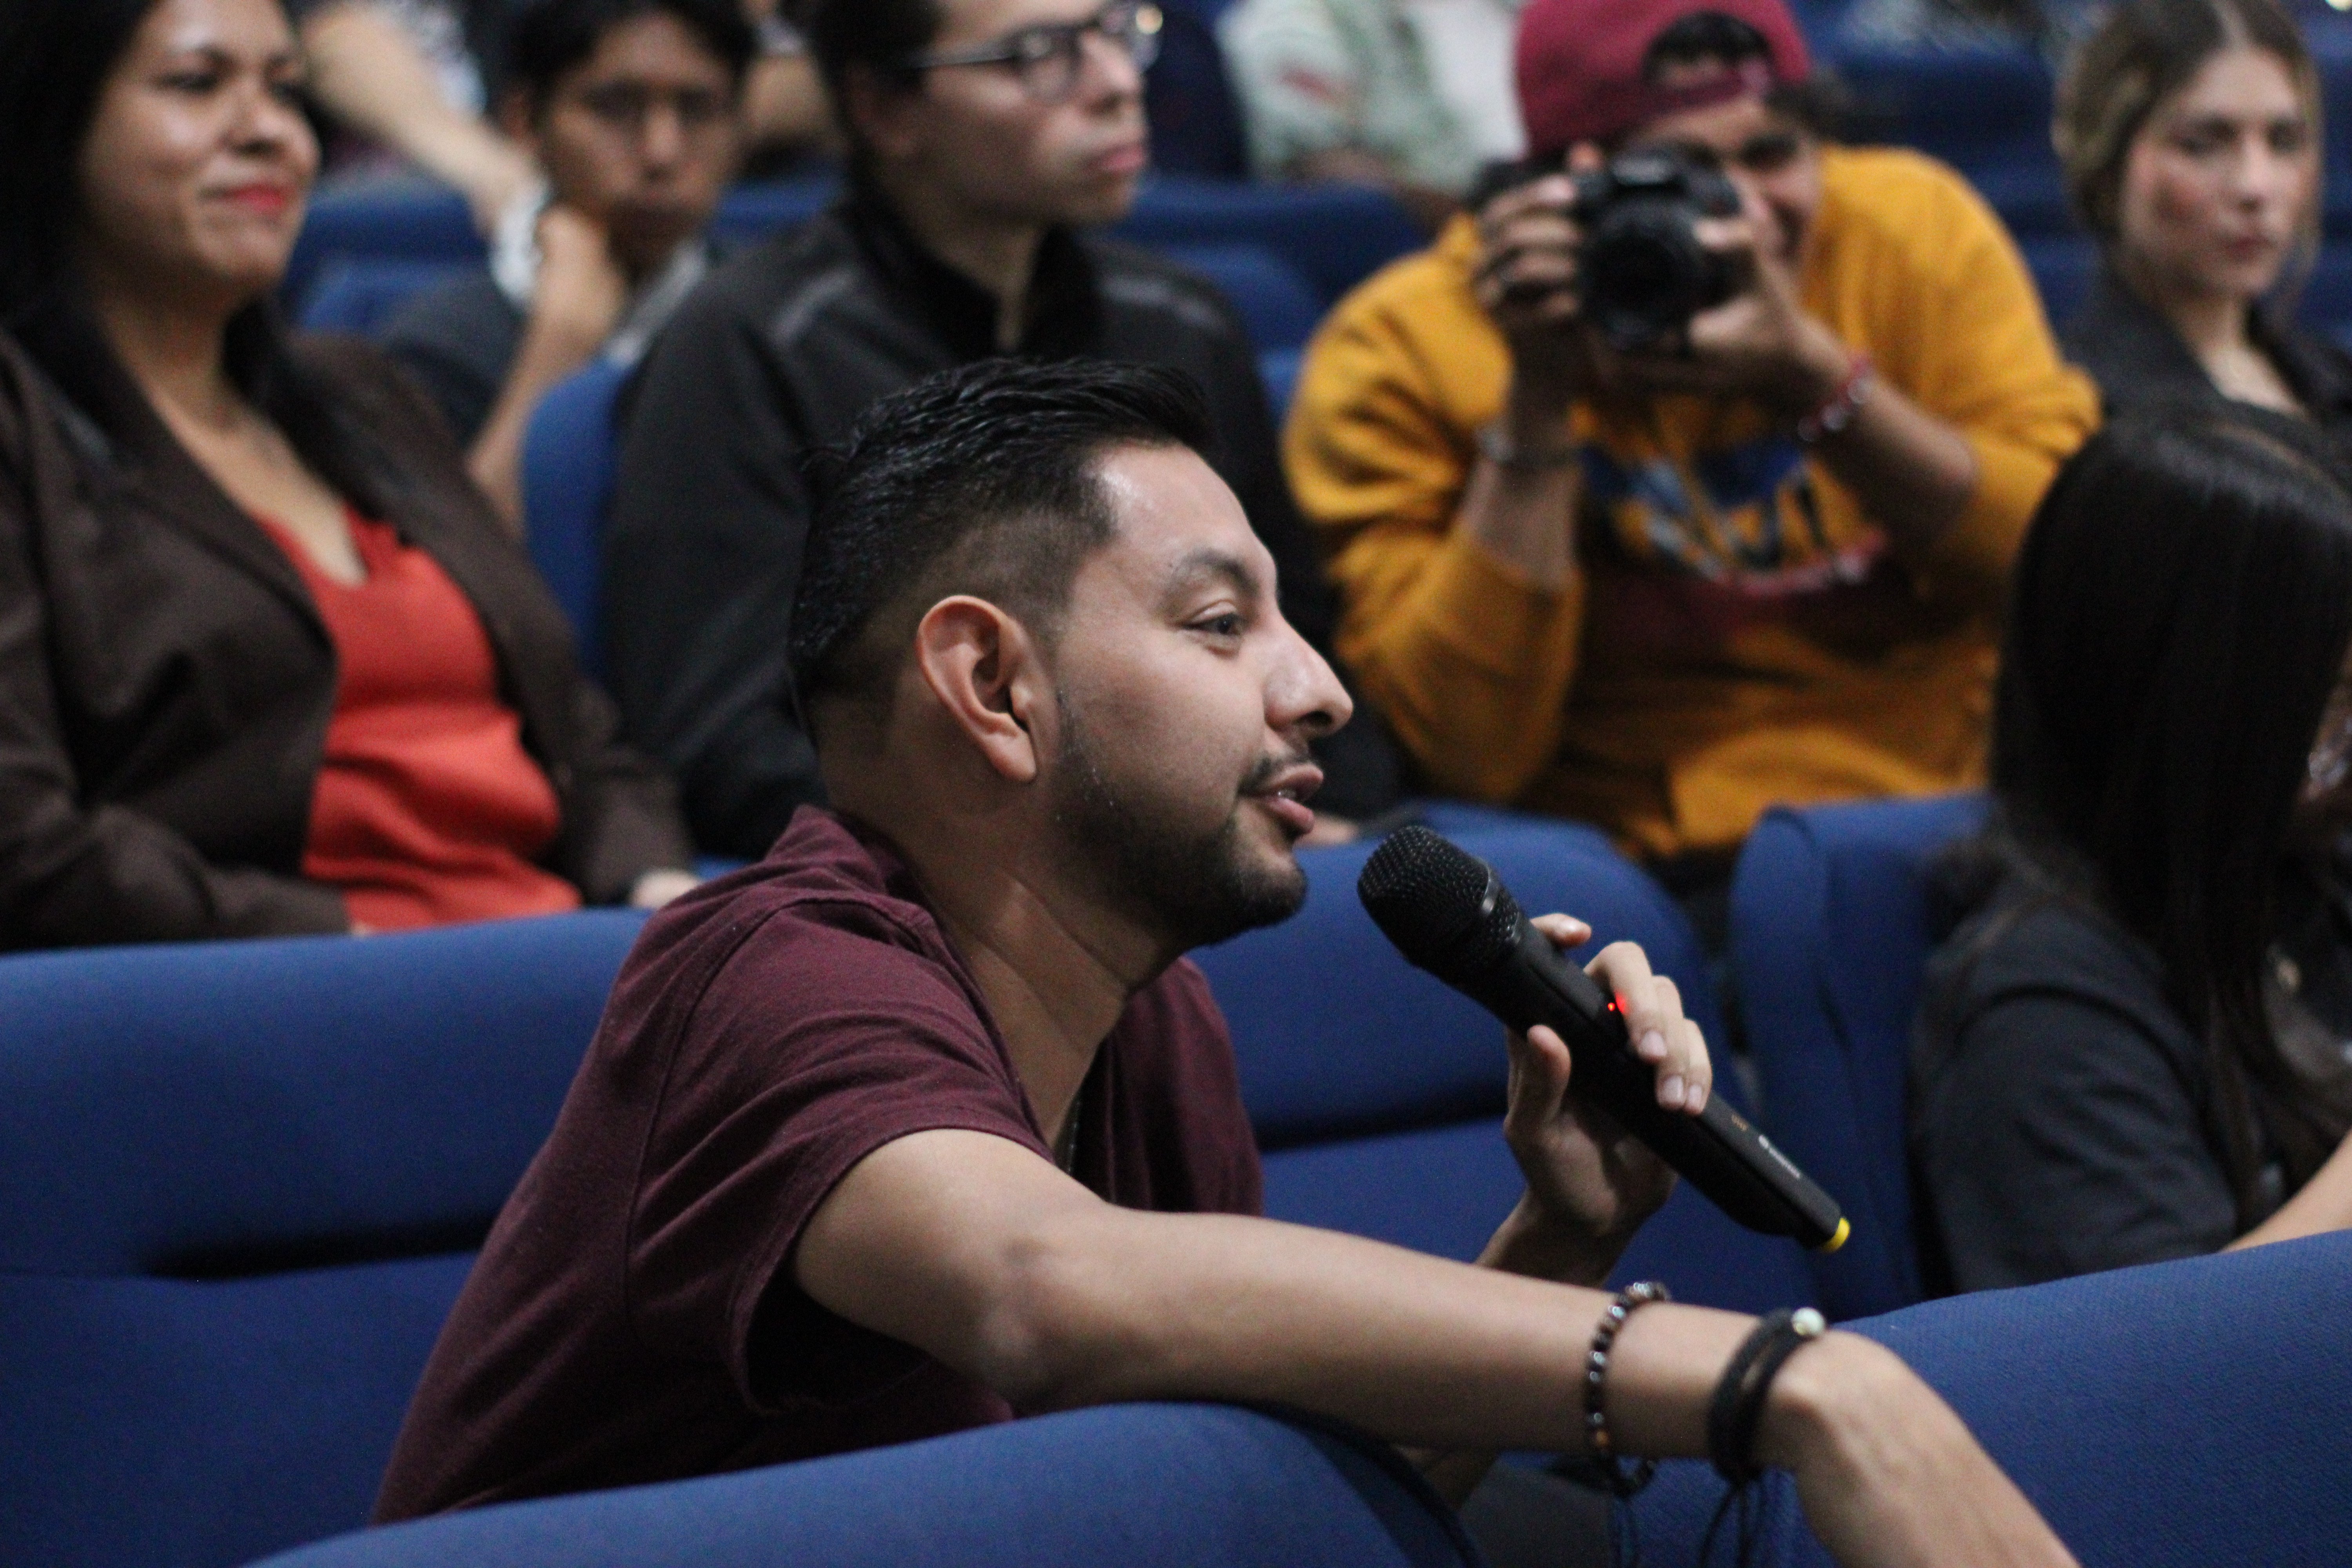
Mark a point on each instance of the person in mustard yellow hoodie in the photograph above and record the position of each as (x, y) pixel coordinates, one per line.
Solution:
(1662, 588)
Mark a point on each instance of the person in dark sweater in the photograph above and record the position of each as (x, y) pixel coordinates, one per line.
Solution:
(2189, 132)
(2134, 1047)
(267, 663)
(631, 107)
(985, 135)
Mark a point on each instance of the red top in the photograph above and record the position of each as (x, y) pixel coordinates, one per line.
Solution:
(427, 808)
(634, 1315)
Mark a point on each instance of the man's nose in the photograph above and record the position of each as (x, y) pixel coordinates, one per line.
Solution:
(1305, 692)
(1106, 71)
(661, 140)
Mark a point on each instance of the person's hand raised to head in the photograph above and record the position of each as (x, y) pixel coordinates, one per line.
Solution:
(582, 291)
(1590, 1184)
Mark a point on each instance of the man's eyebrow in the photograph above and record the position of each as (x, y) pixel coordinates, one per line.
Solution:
(1205, 564)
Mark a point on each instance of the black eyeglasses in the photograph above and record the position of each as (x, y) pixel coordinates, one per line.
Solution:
(1046, 59)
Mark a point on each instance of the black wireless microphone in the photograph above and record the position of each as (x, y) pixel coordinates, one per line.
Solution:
(1449, 913)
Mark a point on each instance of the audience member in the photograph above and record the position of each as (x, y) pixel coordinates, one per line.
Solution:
(415, 76)
(924, 1120)
(267, 663)
(2132, 1049)
(985, 133)
(2189, 131)
(1411, 94)
(632, 109)
(1754, 558)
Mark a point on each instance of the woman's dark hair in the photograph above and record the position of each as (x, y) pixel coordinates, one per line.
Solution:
(54, 58)
(2144, 51)
(2180, 613)
(548, 38)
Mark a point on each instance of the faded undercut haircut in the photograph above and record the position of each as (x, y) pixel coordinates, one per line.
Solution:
(981, 481)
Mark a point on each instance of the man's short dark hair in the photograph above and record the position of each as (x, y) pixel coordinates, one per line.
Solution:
(1818, 103)
(548, 38)
(880, 35)
(980, 481)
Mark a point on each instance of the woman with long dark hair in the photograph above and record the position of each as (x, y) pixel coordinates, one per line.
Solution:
(268, 662)
(2133, 1045)
(2189, 132)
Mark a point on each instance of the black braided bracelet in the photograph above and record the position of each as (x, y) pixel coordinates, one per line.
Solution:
(1738, 1409)
(1622, 1477)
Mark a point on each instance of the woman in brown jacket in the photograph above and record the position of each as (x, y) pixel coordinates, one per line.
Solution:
(268, 662)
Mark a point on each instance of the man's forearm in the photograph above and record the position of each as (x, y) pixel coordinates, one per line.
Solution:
(1913, 473)
(370, 75)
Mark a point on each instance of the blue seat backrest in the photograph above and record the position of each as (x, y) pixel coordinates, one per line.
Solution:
(2174, 1415)
(1336, 1035)
(570, 454)
(1278, 368)
(1196, 125)
(1141, 1486)
(1280, 307)
(401, 221)
(359, 294)
(244, 1184)
(1831, 933)
(1336, 236)
(1377, 1091)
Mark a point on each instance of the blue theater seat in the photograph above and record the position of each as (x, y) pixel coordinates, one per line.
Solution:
(1278, 306)
(570, 458)
(245, 1179)
(244, 1184)
(1829, 935)
(359, 294)
(2173, 1416)
(1377, 1092)
(1137, 1486)
(1334, 235)
(2176, 1416)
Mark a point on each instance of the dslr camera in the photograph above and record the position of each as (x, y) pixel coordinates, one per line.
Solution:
(1642, 273)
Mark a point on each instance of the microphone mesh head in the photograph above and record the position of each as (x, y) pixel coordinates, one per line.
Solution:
(1444, 907)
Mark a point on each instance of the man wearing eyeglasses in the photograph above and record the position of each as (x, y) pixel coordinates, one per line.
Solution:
(1660, 583)
(631, 108)
(986, 137)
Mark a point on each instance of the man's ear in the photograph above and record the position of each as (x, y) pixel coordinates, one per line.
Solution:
(983, 667)
(880, 111)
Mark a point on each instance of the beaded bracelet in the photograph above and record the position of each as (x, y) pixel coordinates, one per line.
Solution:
(1622, 1478)
(1838, 410)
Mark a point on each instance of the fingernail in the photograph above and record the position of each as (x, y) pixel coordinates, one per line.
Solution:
(1671, 1092)
(1697, 1098)
(1654, 1047)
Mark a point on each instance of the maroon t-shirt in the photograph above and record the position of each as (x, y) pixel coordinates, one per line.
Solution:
(634, 1315)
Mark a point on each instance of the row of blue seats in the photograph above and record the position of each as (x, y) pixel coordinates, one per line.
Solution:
(245, 1180)
(2167, 1417)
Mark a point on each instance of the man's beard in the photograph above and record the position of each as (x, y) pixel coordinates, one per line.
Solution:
(1189, 887)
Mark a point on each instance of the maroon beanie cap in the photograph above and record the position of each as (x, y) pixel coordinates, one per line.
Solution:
(1580, 65)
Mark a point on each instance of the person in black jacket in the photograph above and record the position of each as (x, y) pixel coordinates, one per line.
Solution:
(268, 664)
(2189, 132)
(984, 136)
(2133, 1045)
